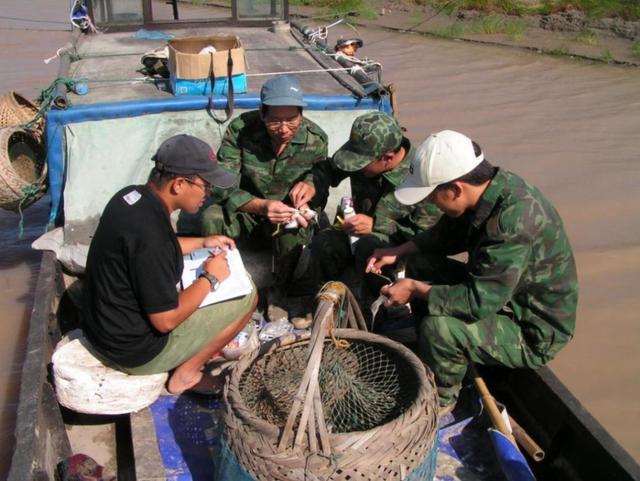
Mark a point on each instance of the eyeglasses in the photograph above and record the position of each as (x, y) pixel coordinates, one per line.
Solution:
(205, 187)
(289, 123)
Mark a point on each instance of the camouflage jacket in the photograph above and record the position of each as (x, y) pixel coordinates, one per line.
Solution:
(374, 197)
(520, 261)
(246, 150)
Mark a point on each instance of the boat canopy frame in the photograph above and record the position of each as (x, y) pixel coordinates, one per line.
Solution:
(104, 15)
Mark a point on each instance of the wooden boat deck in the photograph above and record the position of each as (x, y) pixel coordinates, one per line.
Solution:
(178, 437)
(111, 64)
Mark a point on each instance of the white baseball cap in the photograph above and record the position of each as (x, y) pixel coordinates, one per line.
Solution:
(442, 157)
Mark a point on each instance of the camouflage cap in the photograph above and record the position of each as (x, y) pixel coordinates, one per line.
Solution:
(372, 135)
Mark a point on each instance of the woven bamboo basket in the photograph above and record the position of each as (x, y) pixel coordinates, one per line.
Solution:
(23, 170)
(16, 110)
(360, 406)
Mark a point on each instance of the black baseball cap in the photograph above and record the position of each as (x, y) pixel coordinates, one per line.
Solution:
(187, 155)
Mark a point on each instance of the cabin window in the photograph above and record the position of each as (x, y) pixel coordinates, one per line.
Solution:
(131, 14)
(115, 12)
(259, 9)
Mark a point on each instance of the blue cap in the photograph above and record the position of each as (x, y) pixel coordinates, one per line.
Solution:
(282, 91)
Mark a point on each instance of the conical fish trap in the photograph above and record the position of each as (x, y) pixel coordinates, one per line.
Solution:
(16, 110)
(23, 169)
(314, 407)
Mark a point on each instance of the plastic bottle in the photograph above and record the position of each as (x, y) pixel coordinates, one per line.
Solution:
(81, 88)
(345, 202)
(347, 212)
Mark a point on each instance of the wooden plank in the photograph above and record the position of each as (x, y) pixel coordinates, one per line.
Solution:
(40, 437)
(149, 465)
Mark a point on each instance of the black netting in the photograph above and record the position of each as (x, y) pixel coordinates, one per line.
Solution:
(363, 386)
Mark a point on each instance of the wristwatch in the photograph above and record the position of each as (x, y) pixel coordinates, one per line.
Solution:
(213, 280)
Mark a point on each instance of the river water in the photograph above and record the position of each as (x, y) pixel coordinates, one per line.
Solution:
(571, 128)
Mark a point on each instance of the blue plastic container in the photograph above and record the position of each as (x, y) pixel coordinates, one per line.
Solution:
(203, 86)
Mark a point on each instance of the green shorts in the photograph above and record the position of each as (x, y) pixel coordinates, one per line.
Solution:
(190, 337)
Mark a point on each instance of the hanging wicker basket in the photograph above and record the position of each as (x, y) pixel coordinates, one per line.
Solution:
(23, 170)
(15, 110)
(346, 406)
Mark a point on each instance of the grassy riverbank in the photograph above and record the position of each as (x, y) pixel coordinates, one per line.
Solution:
(598, 30)
(593, 9)
(626, 9)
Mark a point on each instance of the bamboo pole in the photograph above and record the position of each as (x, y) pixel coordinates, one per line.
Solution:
(526, 442)
(490, 405)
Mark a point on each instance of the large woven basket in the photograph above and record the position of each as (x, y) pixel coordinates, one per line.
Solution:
(23, 169)
(277, 431)
(16, 110)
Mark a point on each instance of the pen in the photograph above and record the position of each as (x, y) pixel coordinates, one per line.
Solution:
(340, 219)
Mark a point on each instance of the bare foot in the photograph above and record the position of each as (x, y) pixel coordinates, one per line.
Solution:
(177, 383)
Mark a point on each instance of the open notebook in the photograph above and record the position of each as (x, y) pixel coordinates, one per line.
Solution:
(236, 285)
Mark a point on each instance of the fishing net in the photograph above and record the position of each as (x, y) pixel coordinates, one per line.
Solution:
(362, 386)
(337, 404)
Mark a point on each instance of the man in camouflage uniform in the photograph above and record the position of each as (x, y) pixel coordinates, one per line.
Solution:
(376, 159)
(272, 150)
(514, 302)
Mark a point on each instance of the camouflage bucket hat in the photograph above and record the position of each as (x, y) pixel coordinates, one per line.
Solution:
(372, 135)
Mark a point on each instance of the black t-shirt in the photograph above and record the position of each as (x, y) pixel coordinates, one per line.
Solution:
(133, 269)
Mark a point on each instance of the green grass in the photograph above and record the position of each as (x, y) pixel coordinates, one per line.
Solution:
(455, 30)
(340, 7)
(493, 24)
(587, 37)
(560, 51)
(509, 7)
(627, 9)
(635, 49)
(606, 56)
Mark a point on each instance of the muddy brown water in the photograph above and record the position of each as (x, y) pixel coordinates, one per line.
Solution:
(570, 128)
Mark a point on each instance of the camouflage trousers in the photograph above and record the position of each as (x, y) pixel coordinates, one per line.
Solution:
(257, 233)
(333, 258)
(447, 344)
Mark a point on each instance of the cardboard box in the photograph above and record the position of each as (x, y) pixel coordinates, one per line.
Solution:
(189, 70)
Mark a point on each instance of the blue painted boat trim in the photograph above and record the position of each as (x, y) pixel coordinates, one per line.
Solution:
(57, 119)
(191, 444)
(188, 434)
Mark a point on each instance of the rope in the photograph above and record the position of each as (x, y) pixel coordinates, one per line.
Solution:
(75, 56)
(335, 292)
(30, 193)
(4, 17)
(47, 96)
(341, 69)
(339, 343)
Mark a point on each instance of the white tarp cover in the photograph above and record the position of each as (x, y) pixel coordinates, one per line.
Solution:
(104, 156)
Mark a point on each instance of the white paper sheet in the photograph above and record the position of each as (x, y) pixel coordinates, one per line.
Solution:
(236, 285)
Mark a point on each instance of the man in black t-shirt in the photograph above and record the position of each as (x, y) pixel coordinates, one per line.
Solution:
(135, 317)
